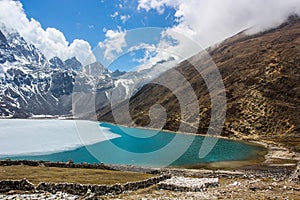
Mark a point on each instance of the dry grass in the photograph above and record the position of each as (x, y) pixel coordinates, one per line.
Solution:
(69, 175)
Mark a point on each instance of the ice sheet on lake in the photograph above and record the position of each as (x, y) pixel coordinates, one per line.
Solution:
(28, 137)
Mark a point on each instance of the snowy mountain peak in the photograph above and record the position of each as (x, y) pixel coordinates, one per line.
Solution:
(73, 64)
(56, 62)
(3, 40)
(13, 48)
(95, 69)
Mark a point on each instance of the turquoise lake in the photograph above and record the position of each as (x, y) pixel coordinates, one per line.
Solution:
(181, 149)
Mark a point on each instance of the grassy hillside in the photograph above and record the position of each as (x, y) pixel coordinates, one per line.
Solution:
(261, 74)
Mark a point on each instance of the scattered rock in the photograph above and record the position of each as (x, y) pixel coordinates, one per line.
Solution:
(296, 175)
(235, 183)
(188, 184)
(46, 196)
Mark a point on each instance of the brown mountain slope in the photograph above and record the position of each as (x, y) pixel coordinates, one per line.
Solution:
(261, 74)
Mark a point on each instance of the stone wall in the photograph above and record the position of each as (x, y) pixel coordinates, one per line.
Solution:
(80, 189)
(69, 164)
(8, 185)
(274, 172)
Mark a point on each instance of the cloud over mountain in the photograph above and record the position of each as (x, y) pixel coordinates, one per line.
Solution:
(113, 44)
(211, 21)
(50, 41)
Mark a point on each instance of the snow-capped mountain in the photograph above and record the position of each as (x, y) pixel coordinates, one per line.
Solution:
(32, 85)
(129, 83)
(28, 85)
(14, 49)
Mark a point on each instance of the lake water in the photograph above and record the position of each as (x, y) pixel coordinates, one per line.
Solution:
(140, 147)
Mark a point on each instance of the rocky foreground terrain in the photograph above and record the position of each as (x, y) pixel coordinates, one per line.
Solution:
(277, 182)
(229, 188)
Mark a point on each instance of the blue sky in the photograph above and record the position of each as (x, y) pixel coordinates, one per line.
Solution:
(90, 20)
(87, 19)
(68, 28)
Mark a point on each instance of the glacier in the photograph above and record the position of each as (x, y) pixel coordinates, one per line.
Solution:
(41, 137)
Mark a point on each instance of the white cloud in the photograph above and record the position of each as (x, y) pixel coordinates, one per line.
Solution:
(158, 5)
(114, 15)
(169, 45)
(124, 18)
(211, 21)
(178, 44)
(51, 41)
(163, 45)
(150, 50)
(113, 44)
